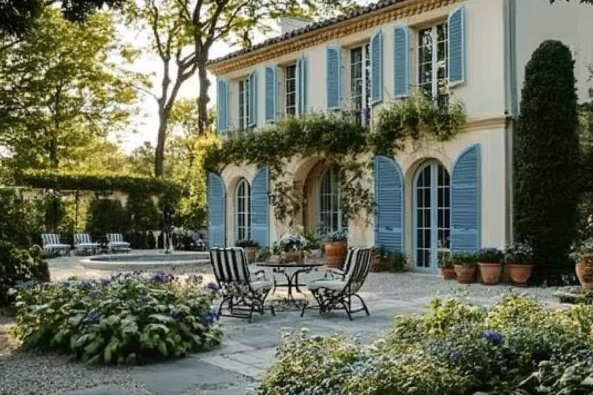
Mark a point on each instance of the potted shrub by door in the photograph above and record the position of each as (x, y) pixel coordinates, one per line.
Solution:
(465, 267)
(336, 249)
(250, 247)
(446, 265)
(519, 257)
(489, 261)
(378, 254)
(583, 256)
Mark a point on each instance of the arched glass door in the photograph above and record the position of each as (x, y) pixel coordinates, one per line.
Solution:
(243, 210)
(331, 218)
(432, 219)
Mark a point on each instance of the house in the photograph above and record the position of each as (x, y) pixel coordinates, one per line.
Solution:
(454, 195)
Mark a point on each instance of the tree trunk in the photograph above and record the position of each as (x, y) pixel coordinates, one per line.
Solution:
(203, 99)
(159, 154)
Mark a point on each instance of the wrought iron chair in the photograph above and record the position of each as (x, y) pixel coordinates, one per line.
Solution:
(336, 292)
(84, 242)
(242, 294)
(51, 243)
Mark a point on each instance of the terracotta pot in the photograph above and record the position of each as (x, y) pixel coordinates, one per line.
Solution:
(466, 274)
(250, 252)
(520, 274)
(376, 264)
(448, 273)
(292, 256)
(490, 273)
(581, 270)
(336, 254)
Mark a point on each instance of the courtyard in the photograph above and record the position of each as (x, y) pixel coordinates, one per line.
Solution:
(247, 349)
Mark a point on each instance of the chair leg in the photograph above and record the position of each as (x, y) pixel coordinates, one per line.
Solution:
(364, 306)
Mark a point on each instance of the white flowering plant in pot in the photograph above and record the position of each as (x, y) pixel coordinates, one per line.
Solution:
(292, 242)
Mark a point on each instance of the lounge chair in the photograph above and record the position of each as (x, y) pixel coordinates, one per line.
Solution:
(336, 291)
(240, 292)
(51, 243)
(115, 242)
(83, 242)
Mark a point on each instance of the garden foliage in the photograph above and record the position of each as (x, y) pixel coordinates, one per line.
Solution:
(517, 347)
(131, 318)
(19, 266)
(547, 161)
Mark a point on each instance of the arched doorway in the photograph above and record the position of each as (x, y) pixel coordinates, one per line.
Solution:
(242, 210)
(331, 218)
(432, 214)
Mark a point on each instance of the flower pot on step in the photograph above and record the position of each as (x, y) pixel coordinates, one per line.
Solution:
(448, 273)
(520, 274)
(584, 271)
(250, 252)
(490, 273)
(335, 253)
(376, 264)
(466, 274)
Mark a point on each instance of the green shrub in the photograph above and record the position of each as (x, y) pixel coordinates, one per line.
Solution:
(547, 143)
(132, 318)
(142, 213)
(517, 347)
(106, 216)
(18, 266)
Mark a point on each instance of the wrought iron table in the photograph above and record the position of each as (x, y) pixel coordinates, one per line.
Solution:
(292, 278)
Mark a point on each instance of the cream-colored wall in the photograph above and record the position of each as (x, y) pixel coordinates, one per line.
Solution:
(483, 91)
(569, 22)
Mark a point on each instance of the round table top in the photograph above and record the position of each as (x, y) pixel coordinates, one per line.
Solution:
(307, 262)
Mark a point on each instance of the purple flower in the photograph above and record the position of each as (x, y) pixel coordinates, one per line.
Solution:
(210, 316)
(494, 337)
(213, 286)
(456, 355)
(159, 278)
(92, 317)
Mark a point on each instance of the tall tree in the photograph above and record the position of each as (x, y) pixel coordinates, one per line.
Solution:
(62, 87)
(184, 31)
(547, 161)
(20, 17)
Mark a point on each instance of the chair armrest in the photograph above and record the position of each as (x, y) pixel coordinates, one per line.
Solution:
(259, 274)
(332, 272)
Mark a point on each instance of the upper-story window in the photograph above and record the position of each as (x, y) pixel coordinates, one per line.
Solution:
(360, 79)
(243, 104)
(432, 59)
(290, 89)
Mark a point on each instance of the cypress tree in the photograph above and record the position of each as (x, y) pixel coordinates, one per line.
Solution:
(546, 161)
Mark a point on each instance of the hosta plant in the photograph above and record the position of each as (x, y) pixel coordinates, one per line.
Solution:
(130, 318)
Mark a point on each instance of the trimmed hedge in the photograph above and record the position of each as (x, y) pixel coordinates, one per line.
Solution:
(72, 181)
(547, 161)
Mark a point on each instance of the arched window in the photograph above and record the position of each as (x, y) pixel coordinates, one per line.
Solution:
(331, 217)
(242, 210)
(432, 222)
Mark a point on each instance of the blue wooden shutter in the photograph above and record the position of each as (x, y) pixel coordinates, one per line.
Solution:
(466, 201)
(456, 26)
(260, 208)
(270, 93)
(376, 68)
(301, 76)
(216, 211)
(252, 99)
(222, 101)
(333, 77)
(401, 68)
(389, 197)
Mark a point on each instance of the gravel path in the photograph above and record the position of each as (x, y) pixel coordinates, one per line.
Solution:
(23, 373)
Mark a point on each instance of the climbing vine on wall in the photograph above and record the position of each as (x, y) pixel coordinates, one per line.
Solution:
(340, 141)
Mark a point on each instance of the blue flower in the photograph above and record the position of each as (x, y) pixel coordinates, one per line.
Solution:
(92, 317)
(143, 299)
(213, 286)
(210, 317)
(494, 337)
(175, 313)
(456, 355)
(94, 293)
(159, 278)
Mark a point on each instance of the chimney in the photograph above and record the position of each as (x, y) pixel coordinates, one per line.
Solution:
(288, 24)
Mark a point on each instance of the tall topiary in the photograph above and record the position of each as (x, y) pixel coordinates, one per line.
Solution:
(546, 161)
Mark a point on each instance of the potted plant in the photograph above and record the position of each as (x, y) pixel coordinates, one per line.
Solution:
(292, 246)
(250, 247)
(336, 250)
(446, 265)
(395, 261)
(313, 245)
(519, 257)
(378, 255)
(583, 256)
(489, 261)
(465, 265)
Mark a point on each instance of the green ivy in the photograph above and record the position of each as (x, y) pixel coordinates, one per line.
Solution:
(339, 140)
(72, 181)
